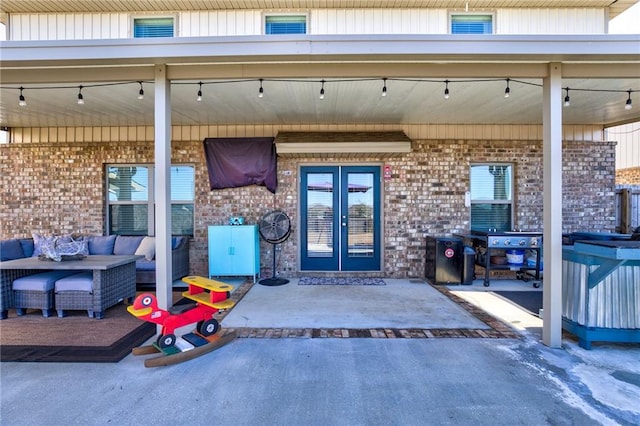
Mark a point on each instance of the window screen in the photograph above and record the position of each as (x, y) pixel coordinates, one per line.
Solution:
(286, 24)
(152, 27)
(491, 197)
(471, 24)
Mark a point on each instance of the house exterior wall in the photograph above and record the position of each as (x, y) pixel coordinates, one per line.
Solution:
(53, 182)
(628, 148)
(628, 176)
(320, 21)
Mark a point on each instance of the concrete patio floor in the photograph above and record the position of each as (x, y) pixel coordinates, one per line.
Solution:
(346, 381)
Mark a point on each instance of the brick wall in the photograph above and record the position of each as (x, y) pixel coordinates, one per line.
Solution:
(59, 187)
(628, 176)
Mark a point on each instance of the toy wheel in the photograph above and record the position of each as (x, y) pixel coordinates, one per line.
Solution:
(208, 327)
(166, 340)
(536, 284)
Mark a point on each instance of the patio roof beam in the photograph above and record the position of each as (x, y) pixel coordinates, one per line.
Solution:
(318, 49)
(61, 75)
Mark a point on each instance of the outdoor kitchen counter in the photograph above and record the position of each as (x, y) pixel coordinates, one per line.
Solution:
(601, 291)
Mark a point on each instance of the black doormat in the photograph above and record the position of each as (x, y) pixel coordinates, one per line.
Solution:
(528, 300)
(340, 281)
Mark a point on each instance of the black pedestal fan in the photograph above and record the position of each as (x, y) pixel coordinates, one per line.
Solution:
(274, 228)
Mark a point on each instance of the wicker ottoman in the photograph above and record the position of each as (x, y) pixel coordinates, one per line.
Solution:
(75, 292)
(36, 291)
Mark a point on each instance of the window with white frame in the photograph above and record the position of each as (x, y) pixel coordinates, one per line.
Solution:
(471, 23)
(491, 196)
(285, 24)
(131, 204)
(161, 26)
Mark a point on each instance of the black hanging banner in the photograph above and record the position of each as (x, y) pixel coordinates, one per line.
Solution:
(235, 162)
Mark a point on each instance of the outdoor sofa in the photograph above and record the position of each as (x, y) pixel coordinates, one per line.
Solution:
(145, 267)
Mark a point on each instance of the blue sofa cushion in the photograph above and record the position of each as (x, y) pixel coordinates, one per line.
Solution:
(27, 246)
(101, 245)
(76, 282)
(126, 244)
(43, 281)
(145, 265)
(11, 250)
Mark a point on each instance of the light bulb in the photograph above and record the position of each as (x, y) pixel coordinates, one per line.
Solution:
(80, 97)
(21, 100)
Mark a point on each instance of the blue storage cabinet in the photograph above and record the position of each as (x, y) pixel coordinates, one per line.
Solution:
(234, 251)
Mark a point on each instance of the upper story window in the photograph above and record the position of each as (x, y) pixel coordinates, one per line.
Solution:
(285, 24)
(471, 24)
(153, 27)
(491, 197)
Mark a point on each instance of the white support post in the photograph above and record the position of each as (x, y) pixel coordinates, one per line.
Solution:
(552, 206)
(162, 191)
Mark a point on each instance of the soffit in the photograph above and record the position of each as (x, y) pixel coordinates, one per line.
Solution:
(83, 6)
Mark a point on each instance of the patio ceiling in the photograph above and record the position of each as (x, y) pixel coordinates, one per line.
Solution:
(297, 102)
(598, 71)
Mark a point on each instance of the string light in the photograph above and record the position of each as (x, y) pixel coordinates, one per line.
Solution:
(21, 100)
(507, 91)
(80, 97)
(199, 95)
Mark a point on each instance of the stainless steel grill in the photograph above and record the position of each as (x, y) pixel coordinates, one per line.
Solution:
(485, 242)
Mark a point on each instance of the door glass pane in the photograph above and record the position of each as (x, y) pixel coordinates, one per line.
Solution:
(360, 214)
(320, 214)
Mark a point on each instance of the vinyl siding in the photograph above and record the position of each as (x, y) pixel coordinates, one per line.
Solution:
(550, 21)
(485, 132)
(628, 147)
(321, 21)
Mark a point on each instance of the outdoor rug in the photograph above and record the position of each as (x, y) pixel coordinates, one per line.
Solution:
(74, 338)
(340, 281)
(528, 300)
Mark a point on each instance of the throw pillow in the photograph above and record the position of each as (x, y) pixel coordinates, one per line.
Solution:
(10, 250)
(99, 244)
(147, 248)
(126, 244)
(27, 246)
(38, 239)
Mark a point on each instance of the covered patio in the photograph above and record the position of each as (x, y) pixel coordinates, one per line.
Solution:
(378, 81)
